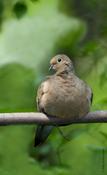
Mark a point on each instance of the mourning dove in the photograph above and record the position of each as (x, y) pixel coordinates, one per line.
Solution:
(62, 95)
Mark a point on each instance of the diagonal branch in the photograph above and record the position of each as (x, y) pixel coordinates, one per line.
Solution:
(40, 118)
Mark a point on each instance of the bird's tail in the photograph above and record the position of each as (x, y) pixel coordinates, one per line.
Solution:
(42, 132)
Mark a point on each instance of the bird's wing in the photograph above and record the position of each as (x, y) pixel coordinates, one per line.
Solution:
(43, 89)
(89, 95)
(42, 131)
(88, 91)
(40, 93)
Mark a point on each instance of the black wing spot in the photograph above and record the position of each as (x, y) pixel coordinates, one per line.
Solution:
(91, 97)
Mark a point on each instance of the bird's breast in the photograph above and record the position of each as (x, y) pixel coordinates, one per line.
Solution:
(64, 99)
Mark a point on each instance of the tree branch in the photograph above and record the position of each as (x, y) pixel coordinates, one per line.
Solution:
(40, 118)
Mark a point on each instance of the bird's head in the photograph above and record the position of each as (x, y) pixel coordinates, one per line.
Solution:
(61, 63)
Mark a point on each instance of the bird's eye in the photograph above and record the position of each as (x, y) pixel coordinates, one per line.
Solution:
(59, 59)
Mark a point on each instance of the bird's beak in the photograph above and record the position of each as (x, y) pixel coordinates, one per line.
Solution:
(51, 67)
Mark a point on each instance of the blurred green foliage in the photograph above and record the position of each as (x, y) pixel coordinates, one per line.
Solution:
(32, 31)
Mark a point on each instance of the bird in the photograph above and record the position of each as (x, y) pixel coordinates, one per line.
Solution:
(62, 95)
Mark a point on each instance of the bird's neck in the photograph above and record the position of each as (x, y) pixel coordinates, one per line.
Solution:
(64, 73)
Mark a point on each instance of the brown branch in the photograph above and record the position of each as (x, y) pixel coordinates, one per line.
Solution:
(40, 118)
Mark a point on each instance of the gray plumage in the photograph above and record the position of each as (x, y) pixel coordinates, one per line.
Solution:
(63, 94)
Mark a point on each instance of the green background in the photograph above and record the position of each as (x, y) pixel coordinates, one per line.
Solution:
(31, 32)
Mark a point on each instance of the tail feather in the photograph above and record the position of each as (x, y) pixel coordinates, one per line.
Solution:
(42, 133)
